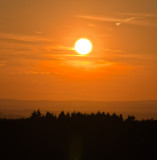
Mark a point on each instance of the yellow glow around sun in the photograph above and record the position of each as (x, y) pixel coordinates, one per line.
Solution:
(83, 46)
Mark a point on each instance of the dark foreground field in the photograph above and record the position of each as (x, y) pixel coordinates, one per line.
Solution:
(78, 136)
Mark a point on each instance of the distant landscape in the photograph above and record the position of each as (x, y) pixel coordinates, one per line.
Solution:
(11, 108)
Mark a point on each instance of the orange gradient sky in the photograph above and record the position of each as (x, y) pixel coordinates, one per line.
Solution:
(37, 60)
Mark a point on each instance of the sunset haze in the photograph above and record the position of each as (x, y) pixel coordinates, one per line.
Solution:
(38, 60)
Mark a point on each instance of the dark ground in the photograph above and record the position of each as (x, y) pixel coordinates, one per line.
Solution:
(78, 136)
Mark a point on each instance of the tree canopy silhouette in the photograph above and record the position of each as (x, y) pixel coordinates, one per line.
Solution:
(78, 136)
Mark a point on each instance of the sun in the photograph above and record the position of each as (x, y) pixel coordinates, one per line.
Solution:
(83, 46)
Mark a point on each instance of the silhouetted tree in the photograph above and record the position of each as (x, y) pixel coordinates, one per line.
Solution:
(121, 117)
(50, 116)
(61, 115)
(130, 119)
(108, 116)
(67, 115)
(36, 115)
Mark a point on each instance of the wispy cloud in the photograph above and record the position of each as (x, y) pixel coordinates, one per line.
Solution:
(24, 38)
(132, 19)
(138, 14)
(98, 18)
(128, 20)
(38, 32)
(114, 51)
(35, 73)
(2, 64)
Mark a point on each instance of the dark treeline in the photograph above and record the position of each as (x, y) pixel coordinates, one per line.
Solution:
(78, 136)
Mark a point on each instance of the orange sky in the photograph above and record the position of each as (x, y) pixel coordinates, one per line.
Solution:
(37, 60)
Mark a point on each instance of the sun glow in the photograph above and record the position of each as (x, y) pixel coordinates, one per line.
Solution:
(83, 46)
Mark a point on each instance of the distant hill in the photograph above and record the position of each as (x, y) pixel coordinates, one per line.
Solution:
(11, 108)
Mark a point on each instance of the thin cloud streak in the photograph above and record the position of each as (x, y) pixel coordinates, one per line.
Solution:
(127, 20)
(2, 64)
(138, 14)
(24, 38)
(118, 21)
(105, 19)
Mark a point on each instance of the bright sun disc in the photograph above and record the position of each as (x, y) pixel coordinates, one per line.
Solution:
(83, 46)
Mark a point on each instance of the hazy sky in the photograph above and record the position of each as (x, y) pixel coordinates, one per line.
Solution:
(37, 60)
